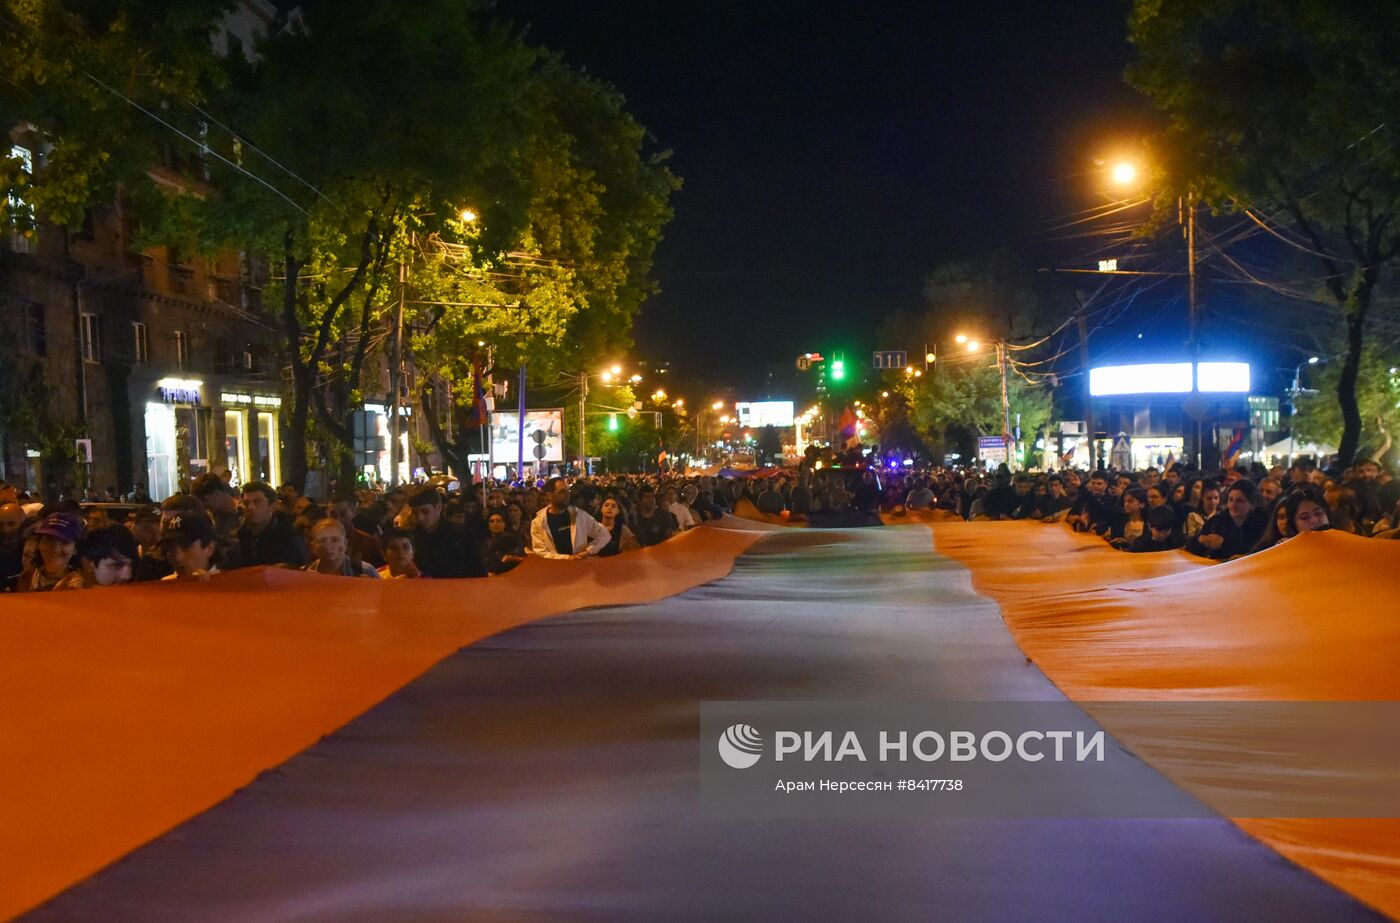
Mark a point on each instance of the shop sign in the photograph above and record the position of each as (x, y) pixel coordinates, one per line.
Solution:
(256, 400)
(179, 390)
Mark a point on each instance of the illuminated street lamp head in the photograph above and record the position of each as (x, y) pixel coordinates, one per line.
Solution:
(1313, 360)
(606, 376)
(973, 346)
(961, 338)
(616, 370)
(717, 405)
(467, 215)
(918, 373)
(678, 402)
(1124, 173)
(884, 394)
(908, 370)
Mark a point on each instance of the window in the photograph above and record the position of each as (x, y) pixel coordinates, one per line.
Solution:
(19, 212)
(36, 329)
(91, 338)
(141, 344)
(182, 349)
(248, 359)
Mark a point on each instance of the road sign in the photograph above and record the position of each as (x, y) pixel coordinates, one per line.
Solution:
(991, 449)
(891, 359)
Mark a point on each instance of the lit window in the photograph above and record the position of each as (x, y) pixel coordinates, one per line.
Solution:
(182, 349)
(19, 212)
(91, 338)
(141, 344)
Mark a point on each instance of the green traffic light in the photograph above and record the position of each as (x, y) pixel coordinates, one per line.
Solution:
(612, 422)
(838, 369)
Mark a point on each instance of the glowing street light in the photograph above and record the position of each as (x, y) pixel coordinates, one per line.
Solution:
(717, 405)
(960, 338)
(616, 370)
(635, 378)
(1124, 173)
(973, 346)
(884, 394)
(658, 395)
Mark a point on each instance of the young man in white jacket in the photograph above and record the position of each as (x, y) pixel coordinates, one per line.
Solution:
(563, 531)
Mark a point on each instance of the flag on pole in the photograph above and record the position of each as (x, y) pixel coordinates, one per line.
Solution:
(478, 411)
(1232, 451)
(848, 426)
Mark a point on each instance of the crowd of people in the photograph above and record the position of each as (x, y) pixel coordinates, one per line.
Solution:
(1218, 515)
(425, 531)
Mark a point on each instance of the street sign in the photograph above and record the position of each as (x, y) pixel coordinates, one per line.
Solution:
(991, 449)
(891, 359)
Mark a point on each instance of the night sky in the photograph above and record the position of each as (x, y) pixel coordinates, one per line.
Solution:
(834, 153)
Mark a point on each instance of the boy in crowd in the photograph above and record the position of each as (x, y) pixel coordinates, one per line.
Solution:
(1161, 534)
(189, 542)
(398, 553)
(105, 558)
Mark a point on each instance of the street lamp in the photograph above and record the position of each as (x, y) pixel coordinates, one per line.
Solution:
(1124, 173)
(1293, 402)
(960, 338)
(467, 215)
(1000, 346)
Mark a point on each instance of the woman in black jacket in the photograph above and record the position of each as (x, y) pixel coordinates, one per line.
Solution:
(1236, 529)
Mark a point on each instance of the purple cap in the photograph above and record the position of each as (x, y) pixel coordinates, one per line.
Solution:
(63, 526)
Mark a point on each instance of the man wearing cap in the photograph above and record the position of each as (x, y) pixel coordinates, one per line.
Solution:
(56, 539)
(105, 558)
(189, 542)
(441, 549)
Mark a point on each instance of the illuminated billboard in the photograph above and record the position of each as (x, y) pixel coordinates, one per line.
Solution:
(544, 436)
(1160, 378)
(1169, 378)
(1223, 376)
(765, 413)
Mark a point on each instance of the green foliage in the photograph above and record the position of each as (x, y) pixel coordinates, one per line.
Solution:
(26, 413)
(1319, 418)
(966, 398)
(1286, 107)
(69, 64)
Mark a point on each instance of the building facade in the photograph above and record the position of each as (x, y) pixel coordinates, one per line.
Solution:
(158, 365)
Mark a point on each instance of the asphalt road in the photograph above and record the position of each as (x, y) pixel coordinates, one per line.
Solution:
(551, 772)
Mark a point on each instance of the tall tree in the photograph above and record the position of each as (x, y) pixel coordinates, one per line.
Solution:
(1285, 110)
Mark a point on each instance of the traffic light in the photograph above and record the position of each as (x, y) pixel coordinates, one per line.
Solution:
(838, 369)
(612, 422)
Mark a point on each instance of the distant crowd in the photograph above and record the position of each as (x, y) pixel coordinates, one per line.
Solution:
(426, 531)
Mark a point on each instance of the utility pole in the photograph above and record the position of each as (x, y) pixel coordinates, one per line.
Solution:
(1084, 364)
(1006, 439)
(396, 378)
(1193, 319)
(583, 424)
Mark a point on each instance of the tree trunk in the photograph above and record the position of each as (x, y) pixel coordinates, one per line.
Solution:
(1346, 382)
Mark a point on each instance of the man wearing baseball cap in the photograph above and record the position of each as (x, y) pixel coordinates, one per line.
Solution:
(56, 539)
(189, 541)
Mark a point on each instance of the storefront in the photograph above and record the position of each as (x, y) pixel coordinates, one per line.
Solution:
(251, 447)
(372, 443)
(178, 436)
